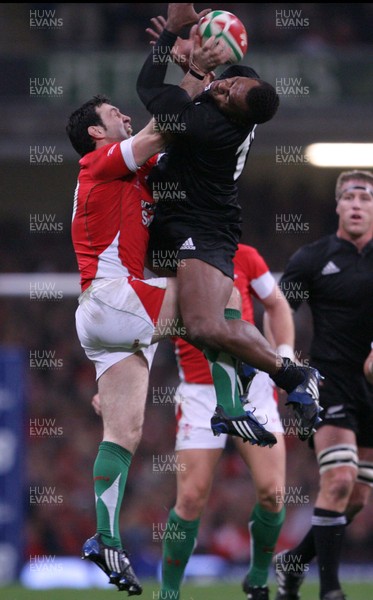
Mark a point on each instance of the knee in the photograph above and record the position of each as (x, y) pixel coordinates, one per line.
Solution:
(128, 436)
(190, 503)
(339, 484)
(270, 499)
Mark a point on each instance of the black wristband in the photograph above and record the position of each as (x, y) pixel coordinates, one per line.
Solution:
(196, 75)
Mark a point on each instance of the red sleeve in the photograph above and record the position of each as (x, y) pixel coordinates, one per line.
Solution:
(106, 163)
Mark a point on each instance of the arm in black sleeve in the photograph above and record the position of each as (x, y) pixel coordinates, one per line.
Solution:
(156, 95)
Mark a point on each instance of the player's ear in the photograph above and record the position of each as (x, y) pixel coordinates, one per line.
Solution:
(96, 132)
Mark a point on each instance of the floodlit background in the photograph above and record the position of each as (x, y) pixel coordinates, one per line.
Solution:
(53, 57)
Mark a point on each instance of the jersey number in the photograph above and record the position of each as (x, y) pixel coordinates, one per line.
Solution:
(242, 152)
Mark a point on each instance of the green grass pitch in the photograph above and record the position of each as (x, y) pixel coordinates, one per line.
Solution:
(354, 591)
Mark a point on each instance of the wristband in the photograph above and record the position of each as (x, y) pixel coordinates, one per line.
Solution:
(285, 350)
(196, 75)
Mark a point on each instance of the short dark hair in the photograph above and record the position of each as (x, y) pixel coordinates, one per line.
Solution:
(262, 102)
(80, 120)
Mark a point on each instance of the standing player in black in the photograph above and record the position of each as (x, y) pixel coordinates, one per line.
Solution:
(198, 216)
(335, 276)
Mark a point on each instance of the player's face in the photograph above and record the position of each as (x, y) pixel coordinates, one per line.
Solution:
(230, 94)
(355, 209)
(117, 125)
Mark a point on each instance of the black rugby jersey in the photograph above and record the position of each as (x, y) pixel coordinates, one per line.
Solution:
(198, 172)
(337, 283)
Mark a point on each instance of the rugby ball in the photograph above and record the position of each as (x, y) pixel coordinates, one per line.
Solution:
(226, 26)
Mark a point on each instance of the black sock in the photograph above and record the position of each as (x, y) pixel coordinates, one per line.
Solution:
(328, 530)
(305, 552)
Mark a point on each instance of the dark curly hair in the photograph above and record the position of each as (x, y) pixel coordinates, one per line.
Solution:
(80, 120)
(262, 103)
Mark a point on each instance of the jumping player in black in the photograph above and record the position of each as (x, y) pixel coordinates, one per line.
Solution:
(212, 125)
(335, 276)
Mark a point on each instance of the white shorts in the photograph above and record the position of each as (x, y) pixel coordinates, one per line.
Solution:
(195, 405)
(116, 318)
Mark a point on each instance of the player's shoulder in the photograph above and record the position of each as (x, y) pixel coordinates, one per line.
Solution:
(92, 157)
(317, 248)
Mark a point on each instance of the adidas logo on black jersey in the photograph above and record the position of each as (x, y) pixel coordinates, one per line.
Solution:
(330, 268)
(188, 245)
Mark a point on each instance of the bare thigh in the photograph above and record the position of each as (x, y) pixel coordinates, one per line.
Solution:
(123, 390)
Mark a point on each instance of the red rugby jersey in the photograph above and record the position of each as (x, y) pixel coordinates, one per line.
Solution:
(112, 212)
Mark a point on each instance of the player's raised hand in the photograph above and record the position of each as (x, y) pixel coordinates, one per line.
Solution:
(181, 14)
(158, 25)
(211, 54)
(181, 50)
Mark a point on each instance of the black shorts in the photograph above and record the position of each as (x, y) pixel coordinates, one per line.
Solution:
(174, 239)
(347, 400)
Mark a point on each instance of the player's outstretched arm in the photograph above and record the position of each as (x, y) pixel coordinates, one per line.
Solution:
(146, 143)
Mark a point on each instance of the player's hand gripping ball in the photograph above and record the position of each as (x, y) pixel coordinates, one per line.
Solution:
(225, 26)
